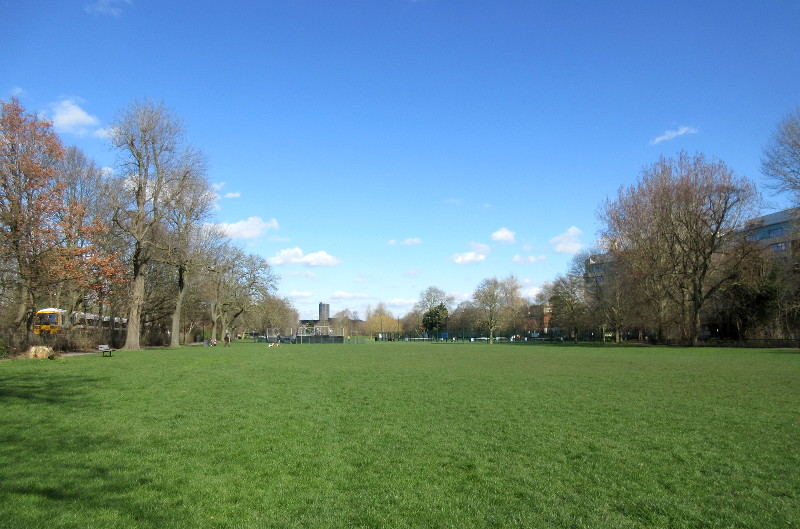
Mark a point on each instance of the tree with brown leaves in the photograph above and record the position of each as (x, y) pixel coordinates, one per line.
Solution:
(30, 198)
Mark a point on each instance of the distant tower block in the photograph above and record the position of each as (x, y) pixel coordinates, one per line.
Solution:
(324, 312)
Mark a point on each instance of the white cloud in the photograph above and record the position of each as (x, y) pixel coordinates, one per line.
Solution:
(17, 91)
(252, 228)
(103, 133)
(567, 242)
(405, 242)
(477, 255)
(320, 258)
(297, 294)
(672, 134)
(341, 295)
(69, 117)
(531, 292)
(504, 235)
(530, 259)
(216, 189)
(296, 256)
(530, 289)
(107, 7)
(233, 194)
(287, 256)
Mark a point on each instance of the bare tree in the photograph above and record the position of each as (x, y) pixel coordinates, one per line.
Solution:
(607, 293)
(567, 303)
(429, 299)
(750, 305)
(674, 231)
(464, 318)
(496, 300)
(343, 320)
(432, 297)
(780, 160)
(236, 283)
(411, 323)
(185, 237)
(272, 312)
(253, 282)
(155, 164)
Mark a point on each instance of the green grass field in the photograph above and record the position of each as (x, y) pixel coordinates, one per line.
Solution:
(401, 435)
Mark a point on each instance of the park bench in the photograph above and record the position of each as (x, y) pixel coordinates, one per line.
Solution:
(105, 349)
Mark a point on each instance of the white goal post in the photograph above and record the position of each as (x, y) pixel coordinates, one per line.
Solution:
(317, 330)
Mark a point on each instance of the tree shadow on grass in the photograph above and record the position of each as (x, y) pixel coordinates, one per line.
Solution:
(62, 465)
(46, 388)
(783, 351)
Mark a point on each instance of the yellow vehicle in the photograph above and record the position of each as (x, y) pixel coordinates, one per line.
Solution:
(50, 321)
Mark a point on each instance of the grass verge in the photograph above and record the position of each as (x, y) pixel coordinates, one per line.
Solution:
(402, 435)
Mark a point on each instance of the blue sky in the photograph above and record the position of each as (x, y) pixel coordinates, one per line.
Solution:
(373, 148)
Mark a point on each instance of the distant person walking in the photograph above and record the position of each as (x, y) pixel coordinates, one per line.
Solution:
(227, 340)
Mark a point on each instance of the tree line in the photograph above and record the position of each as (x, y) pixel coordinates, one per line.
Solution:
(675, 262)
(495, 309)
(678, 261)
(133, 244)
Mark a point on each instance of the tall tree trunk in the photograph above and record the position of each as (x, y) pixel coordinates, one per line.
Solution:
(215, 316)
(20, 336)
(696, 309)
(176, 320)
(135, 313)
(176, 316)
